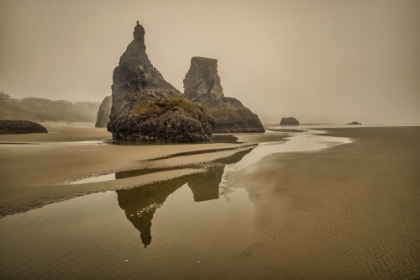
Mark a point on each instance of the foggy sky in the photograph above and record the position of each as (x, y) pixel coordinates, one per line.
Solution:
(317, 60)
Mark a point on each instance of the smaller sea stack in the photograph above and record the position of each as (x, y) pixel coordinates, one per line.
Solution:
(202, 86)
(289, 121)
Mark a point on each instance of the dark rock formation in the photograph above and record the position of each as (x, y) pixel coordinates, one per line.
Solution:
(147, 108)
(20, 127)
(289, 121)
(104, 111)
(202, 85)
(354, 123)
(166, 121)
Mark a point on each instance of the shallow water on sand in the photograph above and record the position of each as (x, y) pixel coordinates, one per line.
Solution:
(105, 235)
(299, 142)
(308, 141)
(195, 226)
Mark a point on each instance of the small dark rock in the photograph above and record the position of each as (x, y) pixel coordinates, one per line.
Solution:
(354, 123)
(20, 127)
(289, 121)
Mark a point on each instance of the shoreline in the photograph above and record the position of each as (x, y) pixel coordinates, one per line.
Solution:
(40, 173)
(53, 166)
(34, 176)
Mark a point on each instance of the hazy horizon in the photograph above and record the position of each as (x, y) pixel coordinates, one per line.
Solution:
(321, 62)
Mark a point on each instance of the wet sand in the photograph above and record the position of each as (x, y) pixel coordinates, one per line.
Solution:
(39, 173)
(347, 212)
(60, 132)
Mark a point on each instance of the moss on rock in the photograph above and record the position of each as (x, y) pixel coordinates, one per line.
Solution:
(165, 121)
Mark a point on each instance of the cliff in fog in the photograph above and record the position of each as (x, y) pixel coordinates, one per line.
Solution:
(42, 110)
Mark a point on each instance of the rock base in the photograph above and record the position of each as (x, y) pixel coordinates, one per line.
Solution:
(164, 121)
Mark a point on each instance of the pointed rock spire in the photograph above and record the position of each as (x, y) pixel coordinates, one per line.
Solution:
(138, 34)
(147, 108)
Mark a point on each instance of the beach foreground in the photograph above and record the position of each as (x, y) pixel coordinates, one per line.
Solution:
(350, 211)
(37, 169)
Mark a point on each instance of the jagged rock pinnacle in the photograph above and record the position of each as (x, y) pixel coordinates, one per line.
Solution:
(139, 33)
(146, 108)
(202, 85)
(202, 79)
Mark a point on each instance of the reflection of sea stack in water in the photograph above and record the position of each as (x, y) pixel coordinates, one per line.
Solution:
(289, 121)
(205, 186)
(140, 204)
(104, 111)
(202, 85)
(146, 108)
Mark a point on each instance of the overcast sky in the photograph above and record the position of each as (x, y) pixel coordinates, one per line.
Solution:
(317, 60)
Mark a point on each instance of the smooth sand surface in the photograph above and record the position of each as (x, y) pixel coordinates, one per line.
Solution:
(348, 212)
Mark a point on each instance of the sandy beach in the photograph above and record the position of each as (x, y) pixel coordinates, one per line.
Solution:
(210, 140)
(350, 211)
(36, 169)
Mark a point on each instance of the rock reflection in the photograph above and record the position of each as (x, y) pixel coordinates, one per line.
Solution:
(140, 204)
(205, 186)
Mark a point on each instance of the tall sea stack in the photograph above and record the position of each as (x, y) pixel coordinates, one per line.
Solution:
(146, 108)
(202, 86)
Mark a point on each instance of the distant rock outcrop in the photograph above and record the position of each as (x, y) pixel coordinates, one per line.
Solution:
(354, 123)
(104, 111)
(20, 127)
(147, 108)
(202, 86)
(289, 121)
